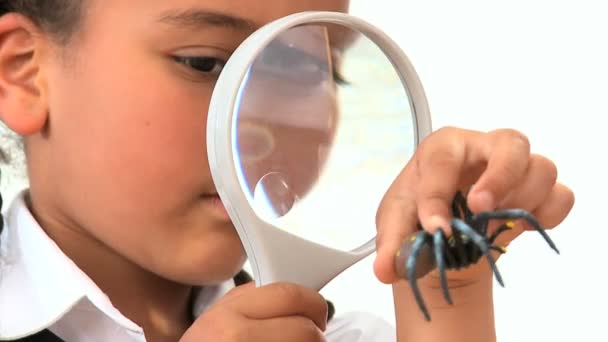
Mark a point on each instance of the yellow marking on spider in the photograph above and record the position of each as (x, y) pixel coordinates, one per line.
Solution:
(413, 238)
(503, 249)
(510, 224)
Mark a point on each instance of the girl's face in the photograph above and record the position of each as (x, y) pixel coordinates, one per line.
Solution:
(122, 158)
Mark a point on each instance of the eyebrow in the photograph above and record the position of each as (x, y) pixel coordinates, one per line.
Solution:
(200, 18)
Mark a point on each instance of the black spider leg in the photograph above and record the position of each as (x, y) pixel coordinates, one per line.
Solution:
(514, 214)
(481, 242)
(503, 228)
(461, 201)
(457, 206)
(439, 246)
(483, 230)
(500, 250)
(469, 252)
(483, 226)
(422, 238)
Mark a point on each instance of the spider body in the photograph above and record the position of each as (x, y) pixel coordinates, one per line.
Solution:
(469, 242)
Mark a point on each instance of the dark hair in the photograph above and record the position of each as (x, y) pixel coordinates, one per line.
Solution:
(57, 17)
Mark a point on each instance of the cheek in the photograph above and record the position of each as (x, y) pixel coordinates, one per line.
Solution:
(131, 145)
(138, 130)
(161, 127)
(158, 118)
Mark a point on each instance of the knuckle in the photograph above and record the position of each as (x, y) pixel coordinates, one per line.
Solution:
(446, 130)
(504, 178)
(507, 172)
(435, 199)
(439, 158)
(515, 137)
(444, 148)
(547, 167)
(442, 133)
(442, 156)
(291, 294)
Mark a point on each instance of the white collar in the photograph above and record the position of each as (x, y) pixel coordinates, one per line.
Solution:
(39, 284)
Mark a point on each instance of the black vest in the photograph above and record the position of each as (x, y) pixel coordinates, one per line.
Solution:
(240, 279)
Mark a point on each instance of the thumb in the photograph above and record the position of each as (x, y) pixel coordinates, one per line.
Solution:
(239, 290)
(396, 220)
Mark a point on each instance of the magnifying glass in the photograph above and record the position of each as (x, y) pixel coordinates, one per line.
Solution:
(311, 120)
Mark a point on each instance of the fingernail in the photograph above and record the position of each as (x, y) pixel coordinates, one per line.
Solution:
(436, 222)
(484, 200)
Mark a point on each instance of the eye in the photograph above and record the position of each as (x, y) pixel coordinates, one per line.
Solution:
(296, 64)
(340, 79)
(205, 65)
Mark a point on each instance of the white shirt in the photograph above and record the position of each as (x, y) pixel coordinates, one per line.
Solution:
(42, 288)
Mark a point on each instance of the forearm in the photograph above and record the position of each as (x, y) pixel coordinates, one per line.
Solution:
(470, 319)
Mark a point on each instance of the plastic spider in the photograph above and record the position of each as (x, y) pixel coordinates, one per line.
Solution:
(424, 251)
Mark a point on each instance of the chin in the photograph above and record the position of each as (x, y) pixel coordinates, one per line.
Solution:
(211, 276)
(211, 266)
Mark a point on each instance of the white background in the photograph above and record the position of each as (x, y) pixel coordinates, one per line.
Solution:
(539, 67)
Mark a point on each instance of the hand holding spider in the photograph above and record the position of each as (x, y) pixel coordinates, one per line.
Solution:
(502, 177)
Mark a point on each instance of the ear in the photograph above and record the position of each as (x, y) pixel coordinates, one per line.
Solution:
(23, 100)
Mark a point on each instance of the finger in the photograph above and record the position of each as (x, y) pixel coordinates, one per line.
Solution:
(556, 207)
(238, 291)
(280, 300)
(396, 220)
(551, 213)
(508, 153)
(291, 328)
(439, 166)
(537, 184)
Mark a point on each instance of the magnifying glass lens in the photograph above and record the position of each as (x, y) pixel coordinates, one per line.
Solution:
(323, 126)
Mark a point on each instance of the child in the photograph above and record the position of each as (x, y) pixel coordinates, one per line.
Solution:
(119, 236)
